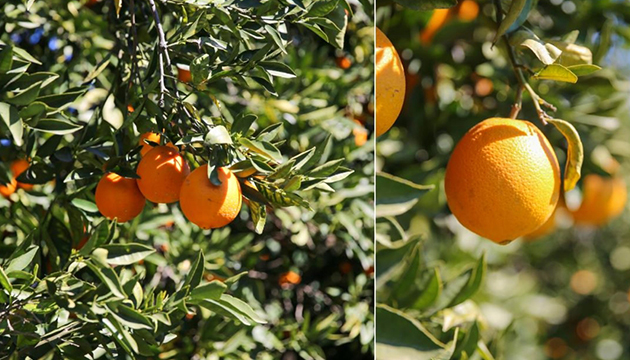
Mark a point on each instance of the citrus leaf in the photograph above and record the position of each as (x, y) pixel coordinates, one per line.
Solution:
(395, 196)
(513, 13)
(126, 254)
(212, 290)
(425, 5)
(9, 115)
(259, 216)
(556, 72)
(399, 336)
(583, 69)
(575, 153)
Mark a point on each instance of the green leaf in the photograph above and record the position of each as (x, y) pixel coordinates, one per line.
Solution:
(259, 216)
(431, 285)
(27, 95)
(12, 120)
(243, 122)
(217, 135)
(212, 290)
(234, 308)
(22, 261)
(395, 196)
(583, 69)
(85, 205)
(6, 59)
(575, 153)
(513, 13)
(545, 52)
(97, 71)
(263, 148)
(56, 126)
(57, 101)
(35, 109)
(556, 72)
(4, 281)
(100, 235)
(196, 272)
(129, 317)
(399, 336)
(278, 69)
(109, 277)
(425, 5)
(126, 254)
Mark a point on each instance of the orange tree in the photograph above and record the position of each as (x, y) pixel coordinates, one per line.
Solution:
(106, 104)
(560, 291)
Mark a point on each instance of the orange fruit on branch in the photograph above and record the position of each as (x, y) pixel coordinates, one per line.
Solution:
(390, 84)
(154, 137)
(603, 199)
(8, 189)
(162, 172)
(503, 179)
(18, 167)
(118, 197)
(207, 205)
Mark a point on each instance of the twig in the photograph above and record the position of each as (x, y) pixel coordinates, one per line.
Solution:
(134, 53)
(163, 52)
(520, 77)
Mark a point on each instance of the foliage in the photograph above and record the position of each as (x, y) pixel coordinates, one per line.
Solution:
(80, 80)
(465, 297)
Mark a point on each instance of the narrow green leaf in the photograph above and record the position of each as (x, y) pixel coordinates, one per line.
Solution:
(12, 120)
(556, 72)
(126, 254)
(513, 13)
(212, 290)
(583, 69)
(395, 196)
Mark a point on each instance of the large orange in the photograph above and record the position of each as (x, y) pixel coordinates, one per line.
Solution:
(209, 206)
(502, 180)
(119, 197)
(151, 136)
(18, 167)
(603, 199)
(390, 84)
(162, 172)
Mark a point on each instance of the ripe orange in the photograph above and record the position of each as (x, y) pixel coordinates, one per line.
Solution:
(183, 74)
(18, 167)
(467, 10)
(289, 277)
(360, 134)
(503, 180)
(390, 84)
(151, 136)
(343, 62)
(544, 229)
(8, 189)
(119, 197)
(438, 19)
(209, 206)
(162, 172)
(603, 199)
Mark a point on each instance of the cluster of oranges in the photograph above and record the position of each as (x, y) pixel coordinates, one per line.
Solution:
(503, 182)
(17, 167)
(165, 178)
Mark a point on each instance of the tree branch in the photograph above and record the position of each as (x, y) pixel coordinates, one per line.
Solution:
(162, 52)
(522, 81)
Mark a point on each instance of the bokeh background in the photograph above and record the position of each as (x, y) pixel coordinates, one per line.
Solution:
(564, 295)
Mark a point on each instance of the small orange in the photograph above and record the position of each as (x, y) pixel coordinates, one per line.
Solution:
(8, 189)
(603, 199)
(18, 167)
(390, 84)
(290, 277)
(119, 197)
(360, 134)
(162, 172)
(438, 19)
(183, 74)
(503, 179)
(467, 10)
(154, 137)
(209, 206)
(343, 62)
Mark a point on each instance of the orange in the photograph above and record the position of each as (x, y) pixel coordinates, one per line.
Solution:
(544, 229)
(162, 172)
(290, 277)
(390, 84)
(343, 62)
(18, 167)
(119, 197)
(360, 134)
(184, 75)
(438, 19)
(603, 199)
(503, 179)
(467, 10)
(151, 136)
(8, 189)
(209, 206)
